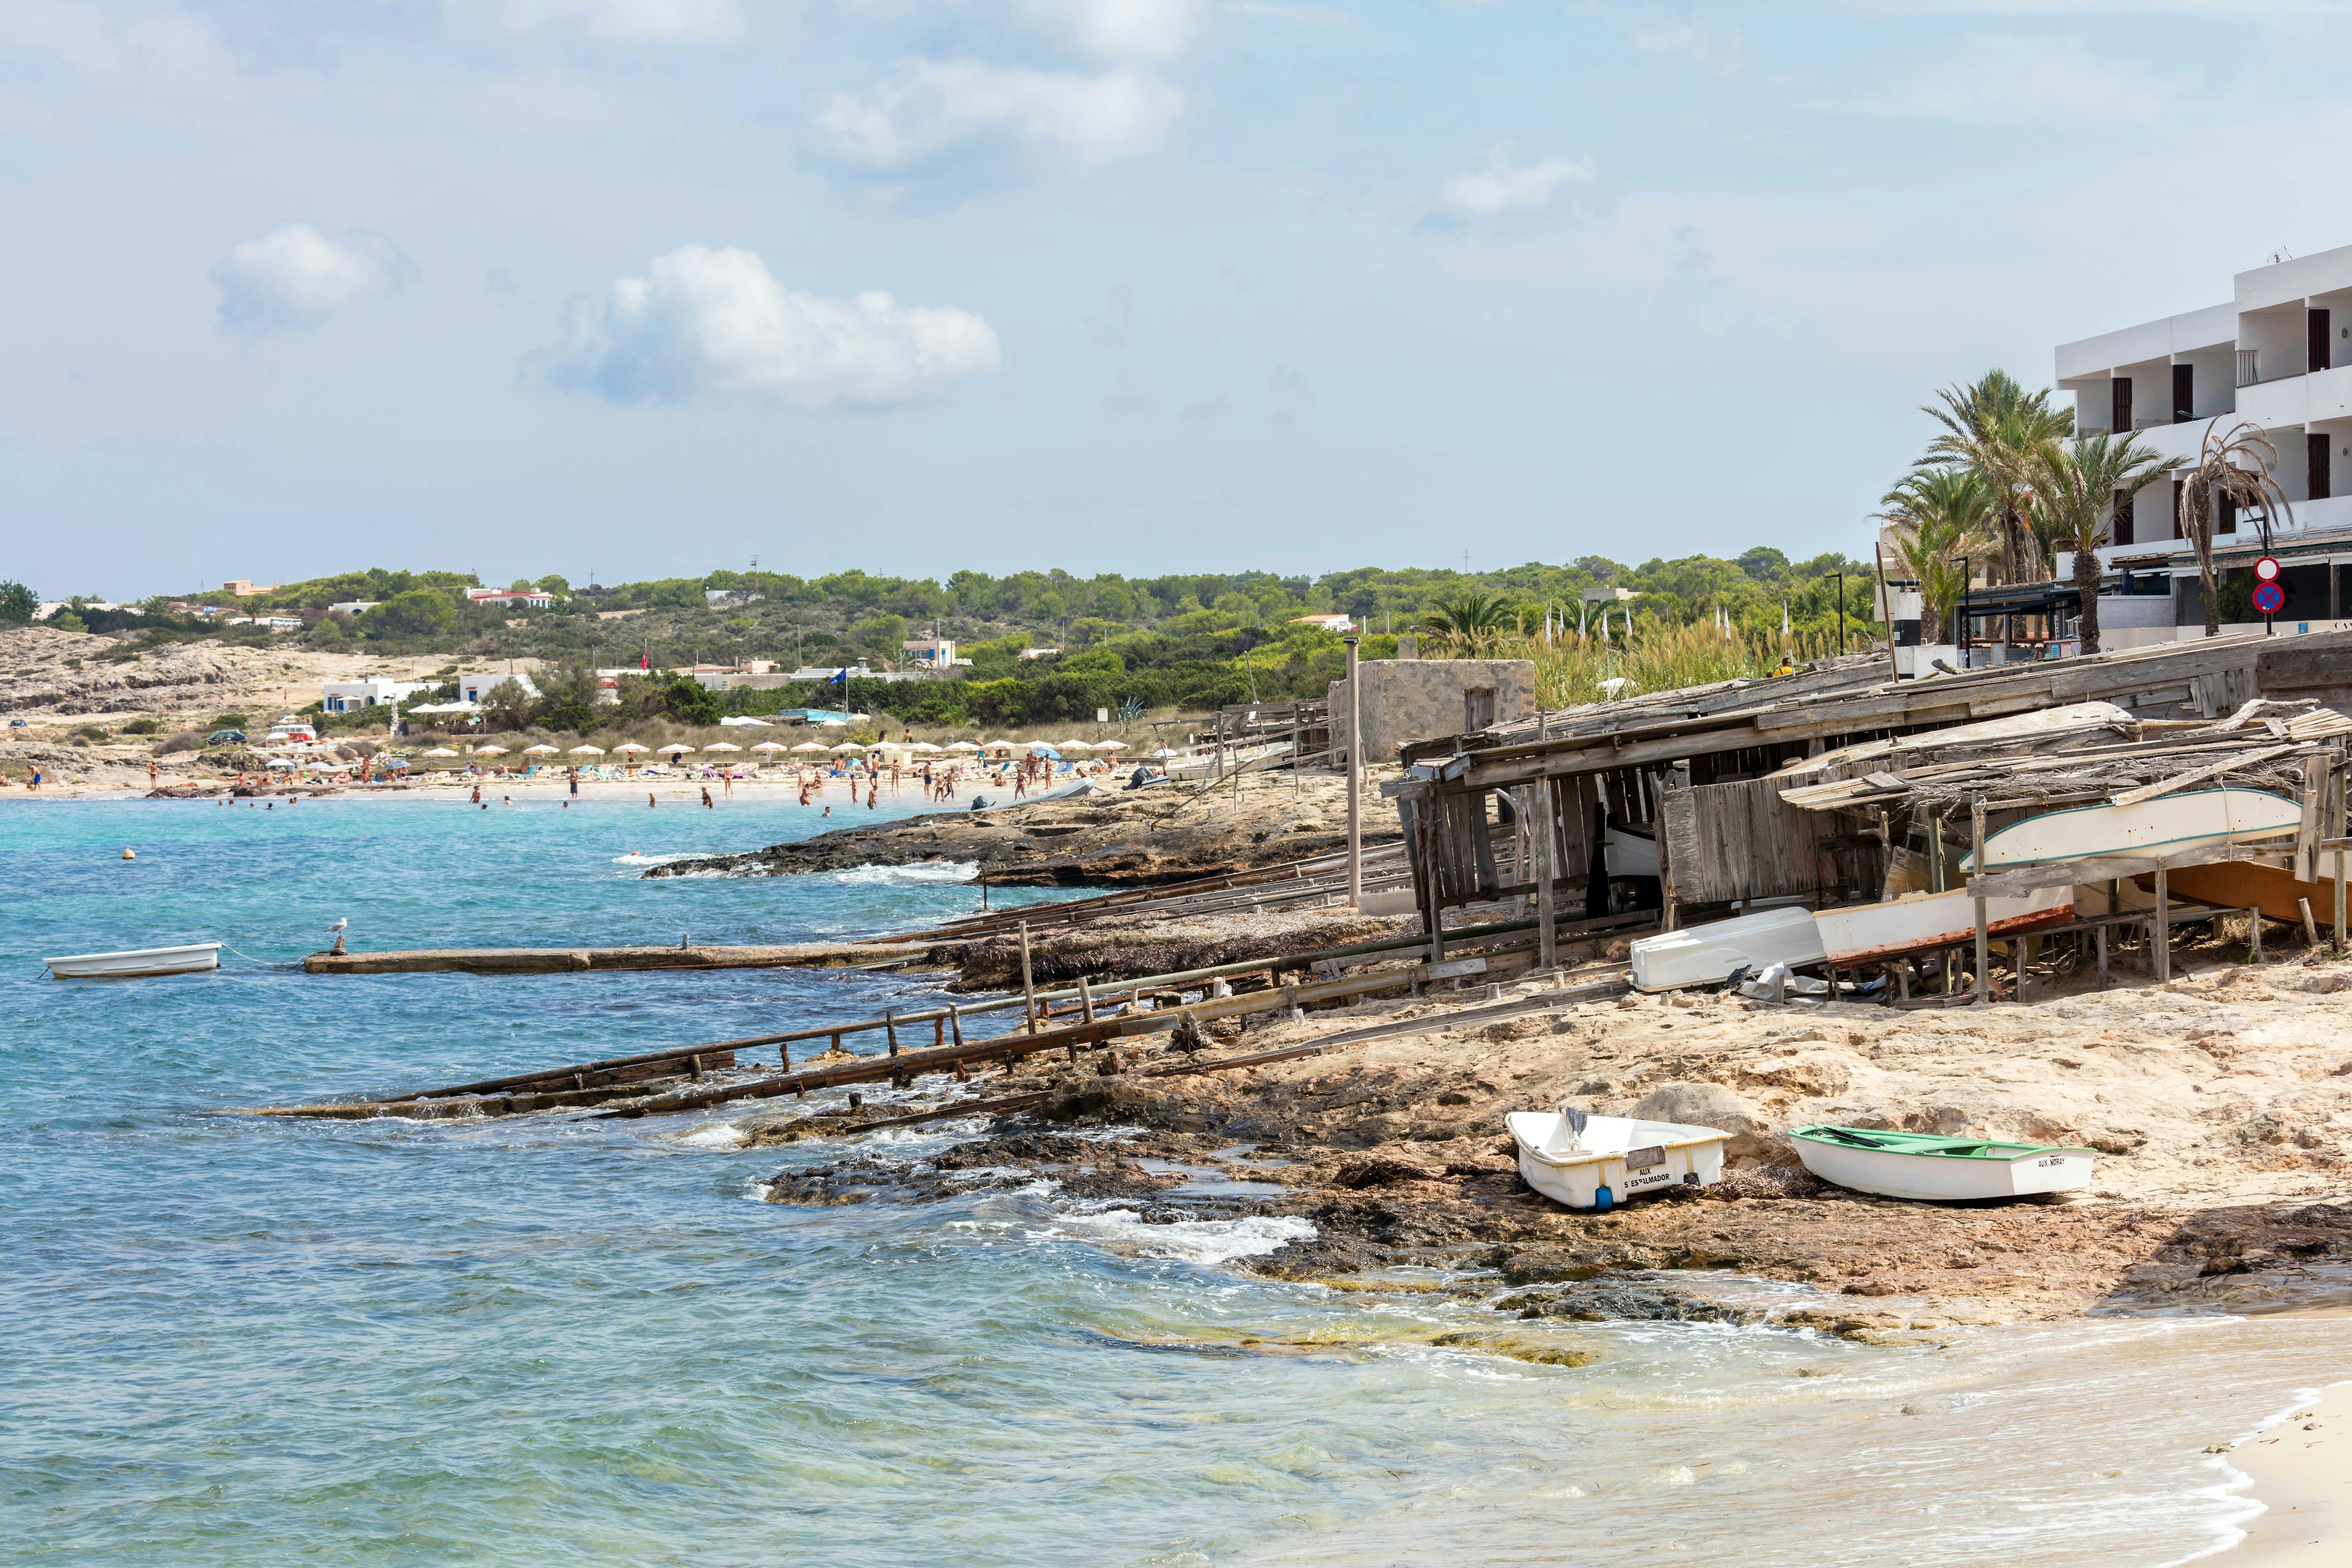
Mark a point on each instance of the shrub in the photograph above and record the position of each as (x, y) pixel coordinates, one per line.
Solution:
(229, 721)
(90, 732)
(142, 727)
(186, 740)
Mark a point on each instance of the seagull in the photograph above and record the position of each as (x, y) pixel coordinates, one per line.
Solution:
(340, 925)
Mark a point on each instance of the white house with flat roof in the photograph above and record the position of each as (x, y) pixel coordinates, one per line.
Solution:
(344, 696)
(2277, 354)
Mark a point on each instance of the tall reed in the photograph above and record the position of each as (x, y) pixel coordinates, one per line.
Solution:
(1572, 671)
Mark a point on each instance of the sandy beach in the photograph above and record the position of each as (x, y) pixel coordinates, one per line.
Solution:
(2302, 1472)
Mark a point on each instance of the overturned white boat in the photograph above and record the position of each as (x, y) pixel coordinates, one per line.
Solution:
(2168, 824)
(123, 965)
(1597, 1162)
(1856, 933)
(1710, 954)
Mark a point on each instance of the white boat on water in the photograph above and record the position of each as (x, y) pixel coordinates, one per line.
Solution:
(184, 960)
(1937, 1169)
(2168, 824)
(1597, 1162)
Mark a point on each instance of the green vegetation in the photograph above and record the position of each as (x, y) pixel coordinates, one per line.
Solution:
(18, 603)
(1124, 644)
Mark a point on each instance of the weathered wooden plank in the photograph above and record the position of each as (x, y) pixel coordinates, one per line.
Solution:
(2019, 881)
(2198, 775)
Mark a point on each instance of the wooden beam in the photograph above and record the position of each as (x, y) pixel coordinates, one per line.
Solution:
(2198, 775)
(2016, 882)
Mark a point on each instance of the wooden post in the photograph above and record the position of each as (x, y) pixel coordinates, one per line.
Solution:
(890, 1027)
(1935, 851)
(1355, 778)
(1667, 869)
(2161, 933)
(2310, 927)
(938, 1030)
(1984, 948)
(1028, 986)
(1085, 1000)
(955, 1022)
(2100, 938)
(2337, 834)
(2021, 958)
(1546, 896)
(1886, 603)
(2255, 934)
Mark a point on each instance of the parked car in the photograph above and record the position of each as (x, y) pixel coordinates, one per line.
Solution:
(19, 724)
(225, 738)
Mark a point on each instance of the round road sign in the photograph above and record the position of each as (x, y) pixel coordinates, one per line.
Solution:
(2269, 598)
(2267, 568)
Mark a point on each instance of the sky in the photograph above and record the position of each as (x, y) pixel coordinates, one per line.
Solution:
(646, 287)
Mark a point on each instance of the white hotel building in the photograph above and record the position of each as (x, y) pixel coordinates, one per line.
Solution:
(2277, 353)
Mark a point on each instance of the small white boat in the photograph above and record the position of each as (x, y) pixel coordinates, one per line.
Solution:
(1597, 1162)
(2166, 825)
(1707, 955)
(1860, 932)
(184, 960)
(1937, 1169)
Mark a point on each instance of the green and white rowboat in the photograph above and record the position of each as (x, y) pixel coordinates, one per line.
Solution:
(1937, 1169)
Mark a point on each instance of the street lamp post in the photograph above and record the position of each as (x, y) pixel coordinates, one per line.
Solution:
(1967, 567)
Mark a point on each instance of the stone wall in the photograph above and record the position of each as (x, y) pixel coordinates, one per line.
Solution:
(1420, 699)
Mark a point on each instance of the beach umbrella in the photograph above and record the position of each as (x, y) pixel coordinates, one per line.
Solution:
(289, 762)
(771, 746)
(489, 751)
(721, 746)
(1110, 746)
(630, 746)
(575, 751)
(962, 746)
(440, 751)
(809, 746)
(1073, 745)
(848, 745)
(676, 747)
(539, 750)
(1040, 749)
(1163, 751)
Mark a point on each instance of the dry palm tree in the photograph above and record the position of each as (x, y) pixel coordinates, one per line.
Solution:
(2235, 466)
(2002, 435)
(1939, 515)
(2076, 490)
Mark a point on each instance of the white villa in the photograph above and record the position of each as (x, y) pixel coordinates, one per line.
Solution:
(344, 696)
(2277, 353)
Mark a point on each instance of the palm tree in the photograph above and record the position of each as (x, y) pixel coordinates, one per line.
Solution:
(1470, 620)
(2234, 466)
(2077, 486)
(1997, 432)
(1939, 516)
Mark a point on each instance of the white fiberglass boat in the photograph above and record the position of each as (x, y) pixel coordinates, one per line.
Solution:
(1597, 1162)
(1937, 1169)
(1856, 933)
(184, 960)
(2166, 825)
(1707, 955)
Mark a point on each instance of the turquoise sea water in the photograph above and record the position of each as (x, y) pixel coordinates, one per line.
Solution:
(542, 1339)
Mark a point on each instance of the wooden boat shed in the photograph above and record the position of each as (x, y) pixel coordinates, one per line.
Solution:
(1512, 813)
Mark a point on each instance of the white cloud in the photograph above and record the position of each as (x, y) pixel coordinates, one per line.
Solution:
(717, 320)
(1121, 29)
(1499, 187)
(607, 21)
(296, 276)
(926, 108)
(1719, 51)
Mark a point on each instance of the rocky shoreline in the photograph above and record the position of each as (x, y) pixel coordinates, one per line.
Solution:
(1110, 838)
(2220, 1104)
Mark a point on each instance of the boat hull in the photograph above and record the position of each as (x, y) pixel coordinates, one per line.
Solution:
(1862, 932)
(2170, 824)
(142, 961)
(1707, 955)
(1930, 1180)
(1630, 1157)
